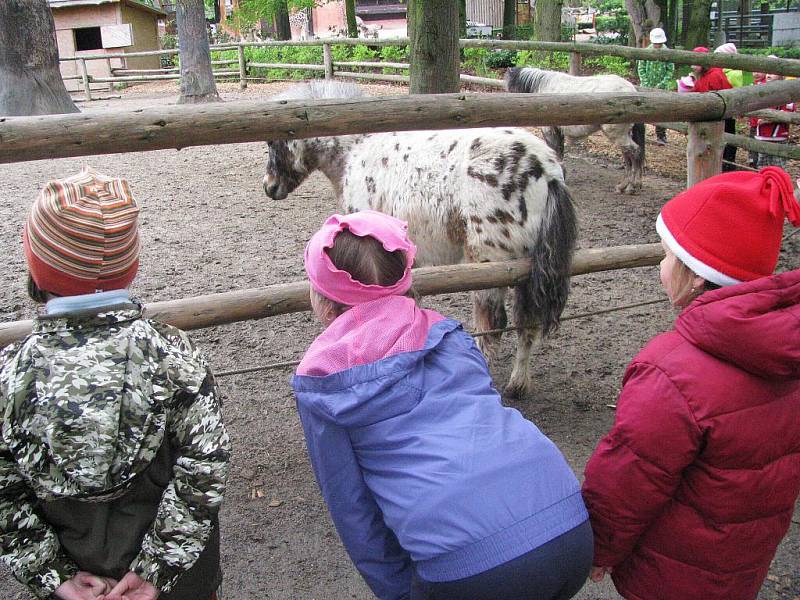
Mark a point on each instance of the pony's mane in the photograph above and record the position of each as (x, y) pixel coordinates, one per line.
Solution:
(321, 89)
(531, 80)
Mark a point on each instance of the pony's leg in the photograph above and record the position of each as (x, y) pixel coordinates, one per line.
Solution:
(520, 384)
(554, 137)
(489, 312)
(619, 136)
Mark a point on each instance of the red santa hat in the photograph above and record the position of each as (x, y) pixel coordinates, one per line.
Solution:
(728, 228)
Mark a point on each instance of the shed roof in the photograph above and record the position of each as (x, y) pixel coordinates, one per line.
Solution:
(140, 4)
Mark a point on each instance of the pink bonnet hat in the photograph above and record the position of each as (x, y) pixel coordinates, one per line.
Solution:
(338, 285)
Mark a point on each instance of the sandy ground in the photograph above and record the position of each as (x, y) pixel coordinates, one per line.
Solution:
(207, 227)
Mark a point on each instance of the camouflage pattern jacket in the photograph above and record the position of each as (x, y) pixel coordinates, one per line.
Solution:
(86, 401)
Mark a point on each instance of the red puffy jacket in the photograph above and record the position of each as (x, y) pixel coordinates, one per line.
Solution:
(692, 490)
(712, 80)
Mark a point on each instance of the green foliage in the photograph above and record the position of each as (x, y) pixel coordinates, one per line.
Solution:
(474, 61)
(364, 53)
(619, 23)
(552, 61)
(606, 6)
(251, 11)
(168, 41)
(779, 51)
(615, 65)
(500, 59)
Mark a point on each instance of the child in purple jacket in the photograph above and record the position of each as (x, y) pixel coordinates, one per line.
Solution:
(436, 489)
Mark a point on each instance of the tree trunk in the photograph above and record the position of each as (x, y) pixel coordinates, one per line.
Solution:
(699, 24)
(462, 19)
(283, 30)
(350, 17)
(197, 79)
(672, 23)
(30, 81)
(644, 15)
(433, 46)
(547, 21)
(509, 18)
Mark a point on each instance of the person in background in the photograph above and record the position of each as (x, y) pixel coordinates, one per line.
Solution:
(737, 77)
(770, 131)
(113, 453)
(695, 485)
(712, 79)
(657, 74)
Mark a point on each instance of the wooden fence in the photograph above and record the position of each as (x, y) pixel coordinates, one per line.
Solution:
(242, 305)
(331, 68)
(55, 136)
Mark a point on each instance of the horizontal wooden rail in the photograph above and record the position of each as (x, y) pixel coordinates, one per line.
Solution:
(244, 305)
(374, 76)
(374, 65)
(763, 64)
(287, 66)
(741, 141)
(179, 126)
(134, 78)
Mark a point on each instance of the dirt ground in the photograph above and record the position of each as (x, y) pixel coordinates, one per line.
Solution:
(207, 227)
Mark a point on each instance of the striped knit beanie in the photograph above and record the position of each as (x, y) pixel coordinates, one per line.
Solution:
(82, 235)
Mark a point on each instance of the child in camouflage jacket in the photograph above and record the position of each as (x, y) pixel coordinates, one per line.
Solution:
(113, 454)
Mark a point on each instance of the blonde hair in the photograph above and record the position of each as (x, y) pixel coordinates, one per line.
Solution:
(682, 283)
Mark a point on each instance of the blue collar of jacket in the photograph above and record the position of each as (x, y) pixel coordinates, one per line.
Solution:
(369, 393)
(64, 305)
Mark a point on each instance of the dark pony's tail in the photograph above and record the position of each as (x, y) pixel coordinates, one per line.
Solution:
(637, 135)
(552, 257)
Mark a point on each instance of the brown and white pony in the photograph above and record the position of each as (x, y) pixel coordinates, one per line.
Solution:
(628, 138)
(468, 195)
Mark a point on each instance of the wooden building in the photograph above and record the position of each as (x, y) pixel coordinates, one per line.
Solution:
(105, 27)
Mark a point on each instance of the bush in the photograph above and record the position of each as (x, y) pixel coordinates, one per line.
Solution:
(501, 59)
(615, 65)
(778, 51)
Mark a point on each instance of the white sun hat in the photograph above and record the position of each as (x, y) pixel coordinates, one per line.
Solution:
(657, 36)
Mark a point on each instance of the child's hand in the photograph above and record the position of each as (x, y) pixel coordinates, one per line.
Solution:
(132, 587)
(598, 573)
(84, 586)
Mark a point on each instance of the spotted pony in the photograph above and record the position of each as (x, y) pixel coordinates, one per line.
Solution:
(468, 195)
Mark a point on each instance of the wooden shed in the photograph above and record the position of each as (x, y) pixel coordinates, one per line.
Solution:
(105, 27)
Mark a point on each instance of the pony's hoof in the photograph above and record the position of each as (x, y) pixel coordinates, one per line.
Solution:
(517, 390)
(621, 187)
(632, 190)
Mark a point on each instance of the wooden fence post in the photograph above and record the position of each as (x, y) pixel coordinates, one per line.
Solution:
(242, 68)
(85, 77)
(327, 59)
(110, 74)
(703, 151)
(575, 64)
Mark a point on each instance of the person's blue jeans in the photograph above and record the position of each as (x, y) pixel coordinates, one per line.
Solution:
(556, 570)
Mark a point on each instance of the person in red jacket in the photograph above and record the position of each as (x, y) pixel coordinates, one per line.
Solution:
(692, 490)
(711, 79)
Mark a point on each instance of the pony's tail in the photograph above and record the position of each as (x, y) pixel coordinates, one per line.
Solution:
(637, 135)
(551, 263)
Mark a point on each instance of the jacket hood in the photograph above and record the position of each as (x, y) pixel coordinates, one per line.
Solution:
(81, 418)
(754, 325)
(366, 394)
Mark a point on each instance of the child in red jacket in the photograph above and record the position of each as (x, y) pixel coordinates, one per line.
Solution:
(712, 79)
(771, 131)
(691, 492)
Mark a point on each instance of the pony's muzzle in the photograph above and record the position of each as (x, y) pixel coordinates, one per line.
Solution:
(274, 190)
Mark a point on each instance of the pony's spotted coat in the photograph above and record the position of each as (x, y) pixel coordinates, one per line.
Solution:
(468, 195)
